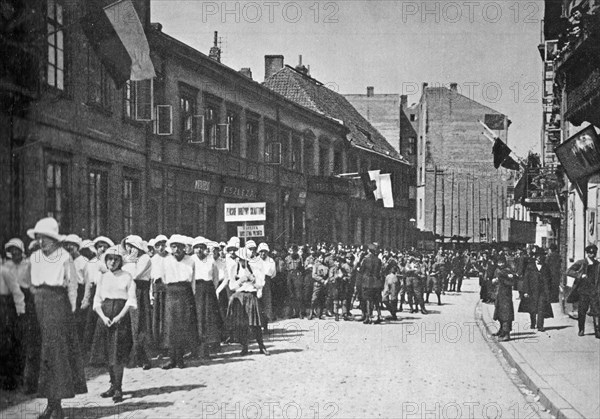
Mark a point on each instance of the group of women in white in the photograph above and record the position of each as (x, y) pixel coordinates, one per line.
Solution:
(179, 294)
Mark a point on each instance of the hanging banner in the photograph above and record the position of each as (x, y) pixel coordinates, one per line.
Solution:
(249, 231)
(580, 154)
(237, 213)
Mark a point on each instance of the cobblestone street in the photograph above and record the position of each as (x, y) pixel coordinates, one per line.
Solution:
(421, 366)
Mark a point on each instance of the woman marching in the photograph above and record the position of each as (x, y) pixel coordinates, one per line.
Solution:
(115, 295)
(140, 267)
(54, 282)
(208, 316)
(243, 313)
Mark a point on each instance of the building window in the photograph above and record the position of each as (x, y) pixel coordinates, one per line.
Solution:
(420, 145)
(420, 208)
(130, 205)
(413, 117)
(55, 70)
(323, 161)
(296, 153)
(233, 133)
(187, 107)
(98, 202)
(56, 193)
(252, 140)
(129, 100)
(210, 125)
(99, 83)
(412, 144)
(337, 162)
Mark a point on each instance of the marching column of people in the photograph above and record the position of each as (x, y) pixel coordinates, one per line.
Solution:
(124, 305)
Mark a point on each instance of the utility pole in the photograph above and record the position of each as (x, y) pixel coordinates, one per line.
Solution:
(435, 174)
(479, 211)
(452, 209)
(467, 208)
(443, 207)
(458, 202)
(473, 204)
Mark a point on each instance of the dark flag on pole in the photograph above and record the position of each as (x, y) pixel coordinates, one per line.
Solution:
(510, 164)
(501, 152)
(521, 188)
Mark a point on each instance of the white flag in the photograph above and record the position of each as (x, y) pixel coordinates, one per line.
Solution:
(385, 184)
(127, 25)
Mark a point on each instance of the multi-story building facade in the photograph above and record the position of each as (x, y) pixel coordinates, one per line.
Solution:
(165, 155)
(460, 197)
(571, 30)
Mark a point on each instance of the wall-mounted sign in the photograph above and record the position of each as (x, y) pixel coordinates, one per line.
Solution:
(202, 185)
(253, 211)
(251, 231)
(580, 154)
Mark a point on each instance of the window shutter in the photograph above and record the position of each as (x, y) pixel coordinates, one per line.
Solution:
(222, 140)
(164, 120)
(143, 92)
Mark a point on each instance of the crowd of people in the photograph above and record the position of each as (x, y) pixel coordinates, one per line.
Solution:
(123, 304)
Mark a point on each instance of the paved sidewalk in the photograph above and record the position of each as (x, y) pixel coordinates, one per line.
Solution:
(562, 368)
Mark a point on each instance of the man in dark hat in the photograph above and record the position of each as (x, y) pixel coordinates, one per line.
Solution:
(586, 288)
(536, 284)
(295, 282)
(504, 311)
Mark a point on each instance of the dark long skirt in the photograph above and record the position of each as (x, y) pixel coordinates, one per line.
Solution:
(504, 310)
(141, 324)
(242, 313)
(158, 314)
(181, 331)
(61, 362)
(31, 343)
(9, 343)
(208, 315)
(266, 302)
(91, 318)
(112, 345)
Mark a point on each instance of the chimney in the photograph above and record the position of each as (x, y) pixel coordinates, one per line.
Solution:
(454, 87)
(301, 68)
(246, 71)
(215, 51)
(273, 63)
(403, 101)
(370, 91)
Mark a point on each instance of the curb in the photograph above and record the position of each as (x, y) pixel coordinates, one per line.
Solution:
(548, 397)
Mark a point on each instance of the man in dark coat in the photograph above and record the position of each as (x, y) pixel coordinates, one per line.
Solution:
(536, 286)
(504, 311)
(587, 288)
(372, 283)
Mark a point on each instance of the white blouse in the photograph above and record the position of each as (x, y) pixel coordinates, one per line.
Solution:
(246, 281)
(21, 272)
(117, 285)
(178, 271)
(9, 285)
(156, 268)
(80, 263)
(139, 269)
(54, 270)
(205, 269)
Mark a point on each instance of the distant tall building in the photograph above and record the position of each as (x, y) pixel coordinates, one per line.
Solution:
(459, 193)
(382, 111)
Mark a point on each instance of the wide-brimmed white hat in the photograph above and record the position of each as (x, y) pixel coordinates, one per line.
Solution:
(46, 226)
(137, 242)
(263, 246)
(151, 242)
(177, 238)
(160, 238)
(212, 244)
(243, 253)
(88, 244)
(250, 244)
(73, 238)
(233, 243)
(103, 239)
(15, 242)
(199, 240)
